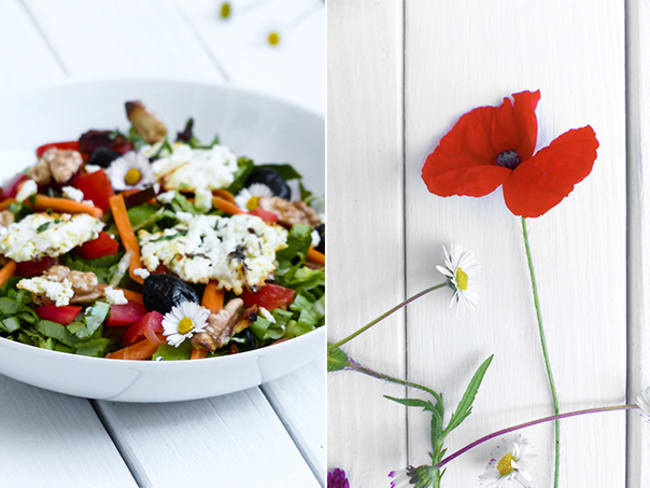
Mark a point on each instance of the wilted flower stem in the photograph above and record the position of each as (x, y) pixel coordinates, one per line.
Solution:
(386, 314)
(354, 366)
(552, 418)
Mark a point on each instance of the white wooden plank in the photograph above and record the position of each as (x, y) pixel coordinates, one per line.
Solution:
(294, 69)
(366, 433)
(299, 400)
(638, 144)
(231, 439)
(462, 54)
(48, 439)
(33, 63)
(122, 38)
(52, 440)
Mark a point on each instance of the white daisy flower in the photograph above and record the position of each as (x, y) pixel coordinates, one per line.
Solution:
(244, 197)
(130, 171)
(420, 477)
(458, 268)
(510, 465)
(183, 321)
(643, 402)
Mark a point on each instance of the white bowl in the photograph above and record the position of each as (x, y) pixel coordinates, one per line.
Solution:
(259, 126)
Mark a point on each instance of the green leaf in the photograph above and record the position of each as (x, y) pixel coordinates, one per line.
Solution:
(464, 407)
(286, 171)
(413, 402)
(165, 352)
(93, 347)
(103, 267)
(93, 318)
(336, 359)
(56, 331)
(10, 324)
(8, 306)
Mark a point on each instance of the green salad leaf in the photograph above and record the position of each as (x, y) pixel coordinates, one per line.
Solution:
(103, 267)
(165, 352)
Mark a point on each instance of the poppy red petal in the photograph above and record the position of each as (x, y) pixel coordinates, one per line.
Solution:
(540, 183)
(464, 163)
(466, 179)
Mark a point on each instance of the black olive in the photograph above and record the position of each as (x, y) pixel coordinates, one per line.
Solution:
(162, 292)
(321, 232)
(103, 156)
(273, 180)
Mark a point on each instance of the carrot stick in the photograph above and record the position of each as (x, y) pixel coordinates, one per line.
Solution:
(226, 206)
(64, 205)
(129, 241)
(128, 294)
(4, 205)
(7, 272)
(212, 297)
(315, 256)
(140, 351)
(199, 353)
(225, 194)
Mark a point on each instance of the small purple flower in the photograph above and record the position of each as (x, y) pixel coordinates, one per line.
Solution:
(337, 479)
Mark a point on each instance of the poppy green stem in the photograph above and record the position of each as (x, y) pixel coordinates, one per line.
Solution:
(386, 314)
(554, 418)
(547, 362)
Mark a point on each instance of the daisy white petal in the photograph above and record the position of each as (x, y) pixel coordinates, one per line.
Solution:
(643, 401)
(459, 269)
(509, 465)
(129, 171)
(420, 477)
(254, 190)
(183, 321)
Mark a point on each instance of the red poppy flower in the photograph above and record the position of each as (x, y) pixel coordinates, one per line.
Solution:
(493, 146)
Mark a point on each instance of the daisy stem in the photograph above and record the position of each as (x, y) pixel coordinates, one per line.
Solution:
(386, 314)
(547, 362)
(353, 365)
(554, 418)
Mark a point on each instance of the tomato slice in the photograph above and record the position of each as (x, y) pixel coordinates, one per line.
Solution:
(265, 215)
(126, 314)
(63, 315)
(269, 296)
(34, 268)
(147, 327)
(11, 188)
(104, 245)
(71, 145)
(96, 187)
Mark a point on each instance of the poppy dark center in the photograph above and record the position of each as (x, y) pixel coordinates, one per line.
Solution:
(508, 159)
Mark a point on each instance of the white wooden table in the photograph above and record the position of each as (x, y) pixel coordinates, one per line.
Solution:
(400, 74)
(268, 436)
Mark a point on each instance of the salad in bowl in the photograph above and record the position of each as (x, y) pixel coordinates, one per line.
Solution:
(137, 244)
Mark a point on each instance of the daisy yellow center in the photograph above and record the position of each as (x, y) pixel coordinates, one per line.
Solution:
(504, 466)
(132, 176)
(185, 325)
(224, 11)
(274, 38)
(461, 279)
(252, 203)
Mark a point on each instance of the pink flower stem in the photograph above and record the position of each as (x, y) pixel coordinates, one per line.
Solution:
(552, 418)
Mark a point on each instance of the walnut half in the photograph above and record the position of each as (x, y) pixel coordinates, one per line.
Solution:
(84, 283)
(290, 213)
(145, 123)
(220, 326)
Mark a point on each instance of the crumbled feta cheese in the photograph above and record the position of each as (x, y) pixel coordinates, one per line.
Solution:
(236, 251)
(266, 314)
(91, 168)
(41, 234)
(27, 189)
(315, 238)
(142, 273)
(210, 169)
(58, 292)
(115, 297)
(203, 199)
(166, 197)
(72, 193)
